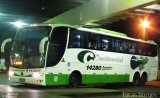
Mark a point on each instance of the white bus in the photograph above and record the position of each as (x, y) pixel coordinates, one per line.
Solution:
(66, 55)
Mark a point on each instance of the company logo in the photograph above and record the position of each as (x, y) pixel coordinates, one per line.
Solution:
(138, 62)
(86, 56)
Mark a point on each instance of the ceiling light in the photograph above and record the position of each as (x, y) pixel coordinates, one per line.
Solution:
(153, 7)
(18, 24)
(145, 23)
(145, 11)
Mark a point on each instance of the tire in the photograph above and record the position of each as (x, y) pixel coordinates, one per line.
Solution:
(74, 81)
(136, 80)
(143, 79)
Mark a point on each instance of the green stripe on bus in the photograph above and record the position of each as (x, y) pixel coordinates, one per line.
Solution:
(62, 79)
(104, 78)
(56, 79)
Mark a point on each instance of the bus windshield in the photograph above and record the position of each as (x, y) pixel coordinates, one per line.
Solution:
(25, 51)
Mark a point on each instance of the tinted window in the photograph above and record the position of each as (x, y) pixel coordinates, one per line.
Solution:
(132, 48)
(87, 40)
(57, 45)
(92, 41)
(38, 32)
(106, 44)
(124, 45)
(75, 39)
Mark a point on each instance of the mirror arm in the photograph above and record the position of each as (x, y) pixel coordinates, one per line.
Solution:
(4, 44)
(41, 45)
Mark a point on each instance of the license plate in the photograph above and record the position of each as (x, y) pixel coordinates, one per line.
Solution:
(21, 80)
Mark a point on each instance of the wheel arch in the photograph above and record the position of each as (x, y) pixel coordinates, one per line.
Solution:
(78, 73)
(144, 74)
(135, 73)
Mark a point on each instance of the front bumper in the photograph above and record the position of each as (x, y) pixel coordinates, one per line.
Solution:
(27, 80)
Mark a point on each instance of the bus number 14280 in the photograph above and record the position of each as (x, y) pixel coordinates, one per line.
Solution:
(94, 67)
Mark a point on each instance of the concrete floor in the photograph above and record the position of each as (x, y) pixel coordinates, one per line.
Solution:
(13, 90)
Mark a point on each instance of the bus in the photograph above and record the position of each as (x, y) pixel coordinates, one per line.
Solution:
(60, 54)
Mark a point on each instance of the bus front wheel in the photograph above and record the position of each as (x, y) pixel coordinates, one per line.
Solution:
(74, 80)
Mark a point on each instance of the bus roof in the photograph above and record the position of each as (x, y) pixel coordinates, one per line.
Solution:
(98, 31)
(110, 31)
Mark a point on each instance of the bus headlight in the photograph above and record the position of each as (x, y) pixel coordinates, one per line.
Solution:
(36, 74)
(10, 73)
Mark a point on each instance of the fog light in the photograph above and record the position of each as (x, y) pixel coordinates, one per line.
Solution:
(36, 74)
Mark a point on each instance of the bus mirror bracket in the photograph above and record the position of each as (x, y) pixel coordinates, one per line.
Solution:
(8, 40)
(42, 45)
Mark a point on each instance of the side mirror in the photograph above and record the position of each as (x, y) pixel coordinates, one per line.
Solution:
(8, 40)
(42, 45)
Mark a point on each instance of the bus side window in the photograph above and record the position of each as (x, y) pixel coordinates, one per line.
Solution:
(149, 52)
(154, 50)
(124, 46)
(144, 49)
(106, 44)
(132, 48)
(118, 46)
(139, 49)
(75, 39)
(113, 45)
(92, 41)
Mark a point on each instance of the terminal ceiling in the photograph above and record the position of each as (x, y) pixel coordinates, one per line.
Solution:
(33, 11)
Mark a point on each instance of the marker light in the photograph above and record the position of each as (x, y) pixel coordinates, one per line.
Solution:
(10, 73)
(17, 63)
(36, 74)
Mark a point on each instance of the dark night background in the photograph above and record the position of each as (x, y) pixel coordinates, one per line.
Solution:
(37, 11)
(132, 27)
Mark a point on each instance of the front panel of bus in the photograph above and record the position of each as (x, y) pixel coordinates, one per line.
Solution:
(35, 52)
(28, 55)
